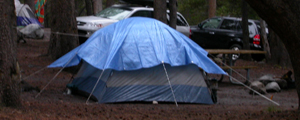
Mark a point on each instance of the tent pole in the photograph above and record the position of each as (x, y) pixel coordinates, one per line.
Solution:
(55, 76)
(94, 87)
(170, 84)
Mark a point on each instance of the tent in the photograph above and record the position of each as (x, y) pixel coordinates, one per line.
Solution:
(24, 14)
(27, 24)
(140, 59)
(147, 85)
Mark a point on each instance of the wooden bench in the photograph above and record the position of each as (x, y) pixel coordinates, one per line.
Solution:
(247, 68)
(231, 66)
(238, 67)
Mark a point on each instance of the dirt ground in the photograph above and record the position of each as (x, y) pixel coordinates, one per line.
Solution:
(234, 101)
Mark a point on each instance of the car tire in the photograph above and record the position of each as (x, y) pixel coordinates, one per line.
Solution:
(235, 47)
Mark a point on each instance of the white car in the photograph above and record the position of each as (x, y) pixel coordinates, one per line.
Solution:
(87, 25)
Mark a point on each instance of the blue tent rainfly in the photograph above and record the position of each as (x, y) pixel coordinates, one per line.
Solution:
(136, 43)
(128, 56)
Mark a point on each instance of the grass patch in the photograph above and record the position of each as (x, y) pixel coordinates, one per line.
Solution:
(273, 108)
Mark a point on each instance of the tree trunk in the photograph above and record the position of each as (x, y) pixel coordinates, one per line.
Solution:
(31, 4)
(109, 3)
(47, 16)
(160, 10)
(264, 39)
(283, 16)
(212, 6)
(88, 7)
(64, 27)
(97, 6)
(173, 13)
(246, 45)
(76, 5)
(9, 68)
(280, 56)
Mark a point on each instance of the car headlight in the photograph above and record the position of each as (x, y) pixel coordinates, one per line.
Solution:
(93, 25)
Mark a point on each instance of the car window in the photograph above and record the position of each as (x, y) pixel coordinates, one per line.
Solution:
(252, 29)
(114, 13)
(229, 25)
(181, 21)
(143, 14)
(211, 23)
(258, 26)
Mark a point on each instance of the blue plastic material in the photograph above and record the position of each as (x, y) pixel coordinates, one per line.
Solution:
(24, 21)
(136, 43)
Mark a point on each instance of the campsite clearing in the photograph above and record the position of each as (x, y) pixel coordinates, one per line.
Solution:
(234, 102)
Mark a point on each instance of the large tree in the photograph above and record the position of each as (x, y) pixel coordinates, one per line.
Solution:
(63, 27)
(283, 16)
(160, 10)
(89, 7)
(212, 7)
(9, 68)
(173, 13)
(264, 40)
(245, 29)
(97, 6)
(278, 52)
(109, 3)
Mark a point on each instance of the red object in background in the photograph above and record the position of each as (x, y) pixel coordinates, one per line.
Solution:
(39, 10)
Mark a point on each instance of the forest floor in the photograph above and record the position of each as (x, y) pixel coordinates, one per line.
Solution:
(234, 101)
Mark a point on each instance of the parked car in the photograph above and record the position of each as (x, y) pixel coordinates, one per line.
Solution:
(226, 33)
(87, 25)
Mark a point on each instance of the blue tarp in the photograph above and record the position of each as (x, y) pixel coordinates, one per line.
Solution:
(136, 43)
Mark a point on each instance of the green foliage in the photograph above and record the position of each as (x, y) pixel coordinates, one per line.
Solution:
(196, 11)
(229, 8)
(273, 108)
(277, 66)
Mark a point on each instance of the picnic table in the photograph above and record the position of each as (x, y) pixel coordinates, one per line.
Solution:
(230, 65)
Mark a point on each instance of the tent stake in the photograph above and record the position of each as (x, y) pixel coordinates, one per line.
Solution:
(94, 87)
(170, 84)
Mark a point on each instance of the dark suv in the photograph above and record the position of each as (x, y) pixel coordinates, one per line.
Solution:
(226, 33)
